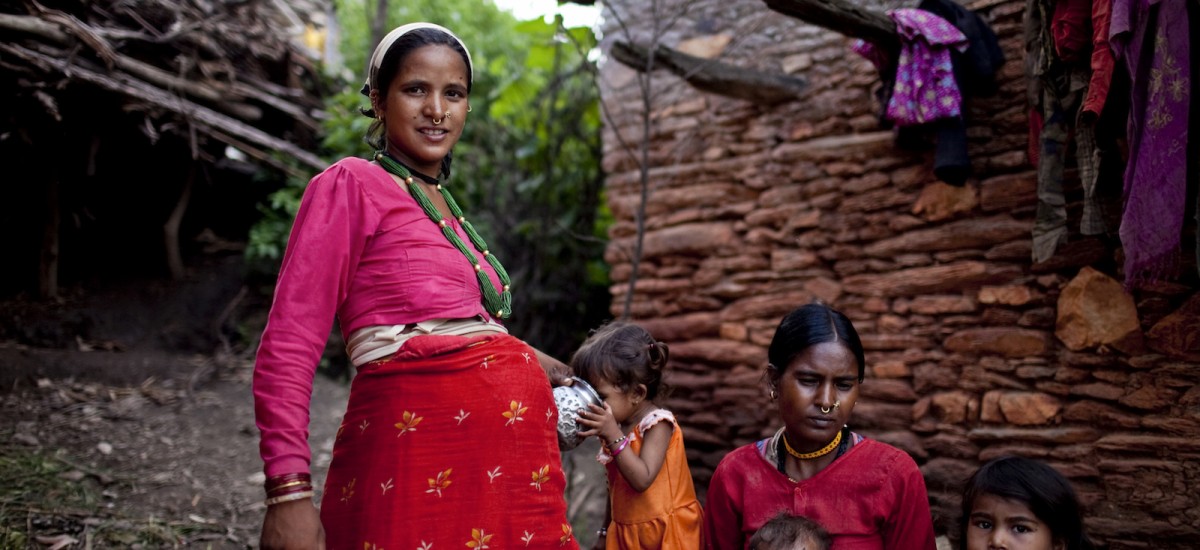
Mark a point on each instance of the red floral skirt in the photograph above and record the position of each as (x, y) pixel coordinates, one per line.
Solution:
(449, 444)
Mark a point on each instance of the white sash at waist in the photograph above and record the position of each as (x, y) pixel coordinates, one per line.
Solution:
(376, 342)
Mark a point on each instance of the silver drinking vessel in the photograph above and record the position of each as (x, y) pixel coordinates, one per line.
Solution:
(571, 400)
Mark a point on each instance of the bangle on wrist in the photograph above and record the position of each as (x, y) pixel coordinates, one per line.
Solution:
(286, 480)
(619, 448)
(296, 483)
(287, 498)
(616, 441)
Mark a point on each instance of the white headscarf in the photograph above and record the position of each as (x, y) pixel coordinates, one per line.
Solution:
(386, 44)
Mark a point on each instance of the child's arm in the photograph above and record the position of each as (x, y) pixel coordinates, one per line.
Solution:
(638, 470)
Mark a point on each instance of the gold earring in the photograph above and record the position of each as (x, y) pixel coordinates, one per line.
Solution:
(774, 394)
(468, 108)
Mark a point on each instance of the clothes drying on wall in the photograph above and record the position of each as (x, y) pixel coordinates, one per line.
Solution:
(1076, 51)
(957, 55)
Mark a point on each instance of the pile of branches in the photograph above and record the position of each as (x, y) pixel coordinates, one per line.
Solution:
(231, 70)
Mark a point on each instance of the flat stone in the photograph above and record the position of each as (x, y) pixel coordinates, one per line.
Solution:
(1178, 334)
(1007, 341)
(1095, 310)
(1035, 435)
(939, 201)
(1029, 408)
(1010, 295)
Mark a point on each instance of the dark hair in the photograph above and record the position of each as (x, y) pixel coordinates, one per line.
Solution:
(623, 354)
(807, 326)
(784, 530)
(1040, 487)
(390, 65)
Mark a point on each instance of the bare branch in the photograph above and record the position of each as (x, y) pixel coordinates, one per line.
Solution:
(145, 92)
(844, 17)
(714, 76)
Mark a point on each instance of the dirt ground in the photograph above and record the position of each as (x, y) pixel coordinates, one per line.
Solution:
(166, 463)
(127, 421)
(169, 462)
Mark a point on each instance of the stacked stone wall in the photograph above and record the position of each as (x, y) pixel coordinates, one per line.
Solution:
(973, 351)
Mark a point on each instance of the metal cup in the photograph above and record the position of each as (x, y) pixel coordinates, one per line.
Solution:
(571, 400)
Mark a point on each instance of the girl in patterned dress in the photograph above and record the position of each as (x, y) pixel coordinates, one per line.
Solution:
(652, 502)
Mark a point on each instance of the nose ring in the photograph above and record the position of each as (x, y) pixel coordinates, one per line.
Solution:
(829, 410)
(437, 121)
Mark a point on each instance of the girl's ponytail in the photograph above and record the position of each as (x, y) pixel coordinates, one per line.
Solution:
(658, 353)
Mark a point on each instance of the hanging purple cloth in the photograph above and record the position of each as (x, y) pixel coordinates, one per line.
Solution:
(925, 88)
(1151, 38)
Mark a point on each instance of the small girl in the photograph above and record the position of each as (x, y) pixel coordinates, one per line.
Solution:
(1018, 503)
(652, 502)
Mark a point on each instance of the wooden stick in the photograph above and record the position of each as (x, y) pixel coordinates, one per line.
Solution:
(202, 116)
(713, 76)
(843, 17)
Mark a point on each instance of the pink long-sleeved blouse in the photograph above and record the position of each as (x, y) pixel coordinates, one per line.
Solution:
(362, 249)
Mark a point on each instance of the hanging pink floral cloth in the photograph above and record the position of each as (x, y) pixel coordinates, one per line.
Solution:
(925, 88)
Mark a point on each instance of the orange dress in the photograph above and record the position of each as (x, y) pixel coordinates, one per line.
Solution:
(666, 515)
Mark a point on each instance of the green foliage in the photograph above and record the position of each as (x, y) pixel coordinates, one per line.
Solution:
(527, 170)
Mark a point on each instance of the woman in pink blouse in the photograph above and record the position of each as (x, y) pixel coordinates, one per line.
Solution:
(449, 439)
(867, 494)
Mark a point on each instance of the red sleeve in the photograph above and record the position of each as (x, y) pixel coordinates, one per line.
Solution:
(1102, 61)
(723, 510)
(1069, 28)
(910, 524)
(326, 242)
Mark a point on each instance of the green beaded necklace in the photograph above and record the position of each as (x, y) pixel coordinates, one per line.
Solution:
(498, 304)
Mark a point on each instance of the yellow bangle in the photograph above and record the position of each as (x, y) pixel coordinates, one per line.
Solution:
(290, 484)
(287, 498)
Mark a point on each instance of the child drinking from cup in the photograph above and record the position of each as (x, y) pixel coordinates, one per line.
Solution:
(652, 502)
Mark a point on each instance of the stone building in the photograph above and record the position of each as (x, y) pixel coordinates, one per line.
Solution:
(973, 350)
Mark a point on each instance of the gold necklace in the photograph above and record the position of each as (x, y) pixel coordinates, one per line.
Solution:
(815, 454)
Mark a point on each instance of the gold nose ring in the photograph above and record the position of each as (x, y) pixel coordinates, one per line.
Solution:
(438, 121)
(829, 410)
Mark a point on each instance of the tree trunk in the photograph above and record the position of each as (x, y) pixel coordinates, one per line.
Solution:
(48, 264)
(171, 228)
(378, 26)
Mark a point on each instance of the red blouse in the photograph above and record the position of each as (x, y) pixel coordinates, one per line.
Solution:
(362, 249)
(871, 498)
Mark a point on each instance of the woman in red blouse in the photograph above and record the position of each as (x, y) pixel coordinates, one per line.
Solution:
(449, 438)
(867, 494)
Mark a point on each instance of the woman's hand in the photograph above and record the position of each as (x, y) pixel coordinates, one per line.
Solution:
(600, 422)
(294, 525)
(558, 372)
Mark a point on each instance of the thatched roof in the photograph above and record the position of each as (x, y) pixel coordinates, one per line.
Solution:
(227, 70)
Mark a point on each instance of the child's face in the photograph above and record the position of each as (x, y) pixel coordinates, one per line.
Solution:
(623, 404)
(999, 523)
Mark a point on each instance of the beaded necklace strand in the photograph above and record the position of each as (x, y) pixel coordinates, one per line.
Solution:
(497, 304)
